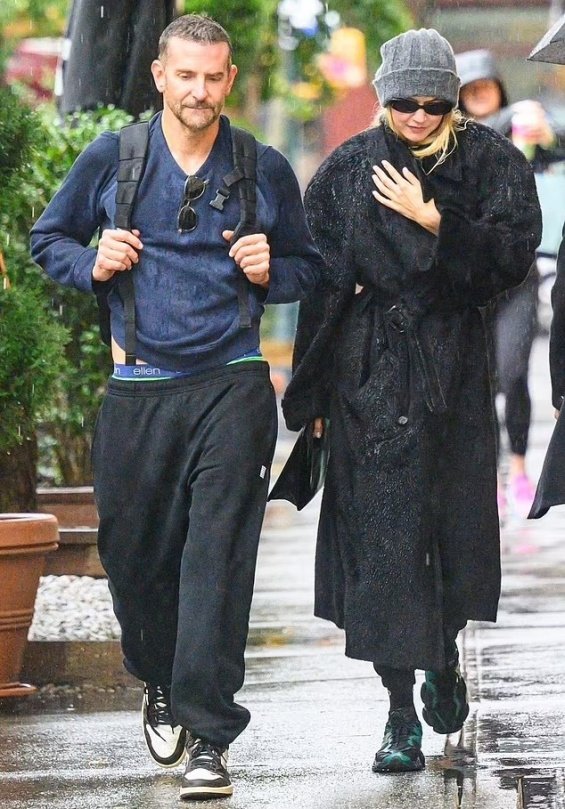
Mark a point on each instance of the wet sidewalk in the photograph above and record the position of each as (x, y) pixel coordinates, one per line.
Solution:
(317, 717)
(517, 667)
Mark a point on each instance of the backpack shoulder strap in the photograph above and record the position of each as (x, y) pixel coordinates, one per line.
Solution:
(244, 148)
(245, 160)
(132, 155)
(134, 140)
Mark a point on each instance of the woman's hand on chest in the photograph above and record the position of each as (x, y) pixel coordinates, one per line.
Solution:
(402, 192)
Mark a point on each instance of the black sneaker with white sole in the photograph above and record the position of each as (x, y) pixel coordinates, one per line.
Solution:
(206, 775)
(165, 740)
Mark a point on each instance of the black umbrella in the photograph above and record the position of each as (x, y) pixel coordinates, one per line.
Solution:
(109, 49)
(551, 47)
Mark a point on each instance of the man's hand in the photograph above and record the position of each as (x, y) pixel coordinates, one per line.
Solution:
(118, 250)
(403, 193)
(252, 255)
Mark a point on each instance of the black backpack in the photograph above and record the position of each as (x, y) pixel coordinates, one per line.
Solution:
(134, 140)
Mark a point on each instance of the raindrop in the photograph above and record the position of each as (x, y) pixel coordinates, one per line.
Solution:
(33, 211)
(82, 421)
(101, 12)
(7, 239)
(60, 309)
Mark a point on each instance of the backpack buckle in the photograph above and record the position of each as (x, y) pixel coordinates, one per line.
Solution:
(222, 196)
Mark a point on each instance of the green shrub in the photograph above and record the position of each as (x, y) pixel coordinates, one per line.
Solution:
(50, 148)
(68, 425)
(31, 356)
(31, 343)
(31, 361)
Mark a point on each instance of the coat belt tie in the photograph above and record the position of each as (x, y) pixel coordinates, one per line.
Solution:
(401, 320)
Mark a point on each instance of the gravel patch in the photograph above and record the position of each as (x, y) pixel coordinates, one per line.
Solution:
(73, 608)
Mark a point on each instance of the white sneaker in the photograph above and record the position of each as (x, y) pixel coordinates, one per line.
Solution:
(206, 774)
(165, 740)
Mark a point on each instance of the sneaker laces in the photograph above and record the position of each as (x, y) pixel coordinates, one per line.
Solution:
(202, 752)
(158, 705)
(400, 729)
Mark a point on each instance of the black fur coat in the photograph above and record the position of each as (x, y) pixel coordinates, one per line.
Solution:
(408, 540)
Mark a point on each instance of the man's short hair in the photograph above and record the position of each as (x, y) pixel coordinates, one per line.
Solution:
(195, 28)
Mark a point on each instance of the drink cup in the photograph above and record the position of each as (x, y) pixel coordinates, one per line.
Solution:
(525, 123)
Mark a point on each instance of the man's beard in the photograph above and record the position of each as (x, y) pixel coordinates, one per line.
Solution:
(196, 124)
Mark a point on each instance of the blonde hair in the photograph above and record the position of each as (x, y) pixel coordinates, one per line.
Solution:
(440, 144)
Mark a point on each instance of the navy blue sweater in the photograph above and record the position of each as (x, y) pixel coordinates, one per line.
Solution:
(187, 313)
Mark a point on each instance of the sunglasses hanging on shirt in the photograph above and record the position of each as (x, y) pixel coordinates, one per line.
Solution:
(194, 187)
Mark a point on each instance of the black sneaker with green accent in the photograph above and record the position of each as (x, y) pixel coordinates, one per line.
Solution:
(444, 694)
(401, 750)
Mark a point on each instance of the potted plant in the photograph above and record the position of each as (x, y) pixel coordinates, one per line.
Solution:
(25, 540)
(30, 362)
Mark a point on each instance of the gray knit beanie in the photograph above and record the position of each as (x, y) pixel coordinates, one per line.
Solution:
(417, 63)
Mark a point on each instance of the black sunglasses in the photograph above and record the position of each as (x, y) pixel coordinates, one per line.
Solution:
(194, 187)
(430, 107)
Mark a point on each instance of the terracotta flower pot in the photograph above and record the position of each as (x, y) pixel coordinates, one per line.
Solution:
(25, 540)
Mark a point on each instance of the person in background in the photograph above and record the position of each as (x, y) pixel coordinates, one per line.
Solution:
(422, 220)
(513, 315)
(185, 438)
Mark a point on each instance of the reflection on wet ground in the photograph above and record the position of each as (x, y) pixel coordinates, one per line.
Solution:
(318, 717)
(458, 767)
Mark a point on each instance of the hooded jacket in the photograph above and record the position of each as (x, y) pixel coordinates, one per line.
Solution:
(477, 65)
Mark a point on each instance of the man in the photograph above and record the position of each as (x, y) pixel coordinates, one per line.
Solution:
(185, 437)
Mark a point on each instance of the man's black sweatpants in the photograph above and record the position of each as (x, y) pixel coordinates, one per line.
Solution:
(181, 473)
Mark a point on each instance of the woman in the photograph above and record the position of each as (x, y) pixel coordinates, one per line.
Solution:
(483, 97)
(421, 220)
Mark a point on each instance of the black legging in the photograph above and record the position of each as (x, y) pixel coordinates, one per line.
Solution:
(515, 324)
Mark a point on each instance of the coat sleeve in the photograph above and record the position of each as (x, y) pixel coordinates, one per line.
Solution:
(557, 331)
(309, 391)
(483, 253)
